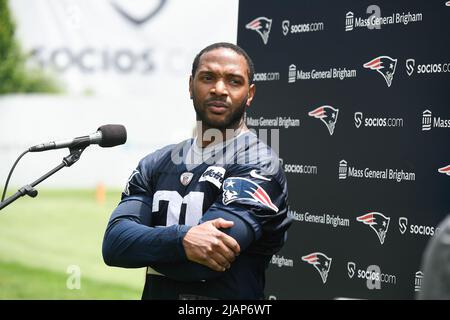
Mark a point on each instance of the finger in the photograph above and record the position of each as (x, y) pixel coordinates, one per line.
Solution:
(230, 242)
(222, 223)
(214, 265)
(221, 260)
(225, 251)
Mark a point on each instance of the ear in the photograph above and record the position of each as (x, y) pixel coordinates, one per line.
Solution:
(190, 86)
(251, 94)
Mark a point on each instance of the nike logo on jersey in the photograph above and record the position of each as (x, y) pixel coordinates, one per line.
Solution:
(257, 176)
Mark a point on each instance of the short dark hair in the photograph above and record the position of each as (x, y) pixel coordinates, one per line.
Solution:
(235, 48)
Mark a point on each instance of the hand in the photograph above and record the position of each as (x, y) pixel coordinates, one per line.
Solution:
(207, 245)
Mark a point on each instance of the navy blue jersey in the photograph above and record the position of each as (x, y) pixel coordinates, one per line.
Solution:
(181, 186)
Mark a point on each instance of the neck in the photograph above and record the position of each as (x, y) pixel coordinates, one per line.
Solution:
(207, 135)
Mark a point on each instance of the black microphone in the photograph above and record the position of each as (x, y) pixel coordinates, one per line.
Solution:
(109, 135)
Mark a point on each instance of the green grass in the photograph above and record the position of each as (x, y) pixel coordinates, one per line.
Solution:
(40, 238)
(21, 282)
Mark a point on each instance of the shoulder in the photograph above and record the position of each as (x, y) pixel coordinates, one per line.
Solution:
(140, 180)
(255, 176)
(257, 159)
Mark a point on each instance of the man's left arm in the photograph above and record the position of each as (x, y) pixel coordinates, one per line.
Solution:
(258, 209)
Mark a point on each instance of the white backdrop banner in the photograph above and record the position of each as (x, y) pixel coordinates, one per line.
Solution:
(124, 62)
(115, 47)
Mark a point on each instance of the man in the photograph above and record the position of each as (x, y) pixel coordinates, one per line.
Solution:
(205, 216)
(436, 265)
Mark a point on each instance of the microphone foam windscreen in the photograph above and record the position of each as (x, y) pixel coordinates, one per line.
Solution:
(112, 135)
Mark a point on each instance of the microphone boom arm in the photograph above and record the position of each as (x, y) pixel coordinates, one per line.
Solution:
(74, 156)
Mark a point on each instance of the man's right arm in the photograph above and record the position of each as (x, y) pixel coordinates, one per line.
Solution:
(211, 247)
(130, 243)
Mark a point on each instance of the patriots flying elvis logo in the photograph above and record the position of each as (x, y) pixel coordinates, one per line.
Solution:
(321, 262)
(328, 115)
(385, 66)
(378, 222)
(235, 189)
(445, 170)
(262, 26)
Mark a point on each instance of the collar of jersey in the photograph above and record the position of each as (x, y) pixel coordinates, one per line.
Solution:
(217, 146)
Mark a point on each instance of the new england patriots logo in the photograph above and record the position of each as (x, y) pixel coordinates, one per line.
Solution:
(321, 262)
(378, 222)
(445, 170)
(262, 26)
(235, 189)
(385, 66)
(327, 115)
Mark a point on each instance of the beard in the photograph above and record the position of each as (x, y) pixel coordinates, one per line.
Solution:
(230, 121)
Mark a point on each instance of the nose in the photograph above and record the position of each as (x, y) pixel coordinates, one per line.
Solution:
(219, 88)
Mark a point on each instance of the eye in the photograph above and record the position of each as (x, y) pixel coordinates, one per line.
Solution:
(236, 82)
(206, 77)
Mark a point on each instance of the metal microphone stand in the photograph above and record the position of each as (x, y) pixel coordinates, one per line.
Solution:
(29, 189)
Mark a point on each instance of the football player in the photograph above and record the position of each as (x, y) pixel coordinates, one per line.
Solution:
(206, 215)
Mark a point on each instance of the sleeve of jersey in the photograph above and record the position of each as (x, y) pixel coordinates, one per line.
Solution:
(129, 242)
(260, 200)
(190, 271)
(260, 222)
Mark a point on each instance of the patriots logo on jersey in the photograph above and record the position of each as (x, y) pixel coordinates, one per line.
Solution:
(262, 26)
(385, 66)
(235, 189)
(328, 115)
(378, 222)
(321, 262)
